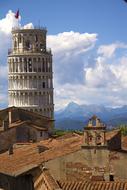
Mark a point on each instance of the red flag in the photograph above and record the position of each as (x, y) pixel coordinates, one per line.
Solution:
(17, 14)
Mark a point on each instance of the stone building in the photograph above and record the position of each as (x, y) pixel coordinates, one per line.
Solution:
(62, 164)
(94, 133)
(95, 136)
(22, 126)
(30, 72)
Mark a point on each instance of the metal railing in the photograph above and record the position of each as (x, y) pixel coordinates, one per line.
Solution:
(35, 27)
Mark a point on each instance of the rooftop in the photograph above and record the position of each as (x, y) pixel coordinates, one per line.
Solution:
(89, 185)
(3, 113)
(14, 164)
(29, 156)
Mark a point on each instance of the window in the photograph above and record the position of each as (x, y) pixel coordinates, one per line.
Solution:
(30, 65)
(111, 177)
(35, 82)
(28, 45)
(41, 133)
(25, 64)
(90, 138)
(36, 38)
(43, 66)
(15, 44)
(42, 48)
(46, 65)
(34, 60)
(39, 65)
(98, 137)
(20, 39)
(43, 84)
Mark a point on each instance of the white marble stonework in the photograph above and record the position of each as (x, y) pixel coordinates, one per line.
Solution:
(30, 72)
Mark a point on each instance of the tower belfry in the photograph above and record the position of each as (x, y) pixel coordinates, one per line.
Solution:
(30, 71)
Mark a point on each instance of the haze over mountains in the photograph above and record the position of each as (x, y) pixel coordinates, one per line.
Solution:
(75, 116)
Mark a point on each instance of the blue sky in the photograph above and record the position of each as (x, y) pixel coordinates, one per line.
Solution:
(99, 67)
(105, 17)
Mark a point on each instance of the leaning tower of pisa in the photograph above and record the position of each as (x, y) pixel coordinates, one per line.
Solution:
(30, 71)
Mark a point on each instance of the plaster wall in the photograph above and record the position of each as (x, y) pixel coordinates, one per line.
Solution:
(85, 162)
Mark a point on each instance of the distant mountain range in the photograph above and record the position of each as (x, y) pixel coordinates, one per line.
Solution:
(75, 116)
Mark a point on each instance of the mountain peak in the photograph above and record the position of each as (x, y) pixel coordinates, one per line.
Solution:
(73, 105)
(74, 116)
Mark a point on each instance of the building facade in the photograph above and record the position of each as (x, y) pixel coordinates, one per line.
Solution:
(30, 72)
(22, 126)
(94, 133)
(61, 163)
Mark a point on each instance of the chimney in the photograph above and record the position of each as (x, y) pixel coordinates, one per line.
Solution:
(41, 148)
(111, 177)
(10, 150)
(10, 116)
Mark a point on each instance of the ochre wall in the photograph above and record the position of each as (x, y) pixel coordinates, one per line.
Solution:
(7, 138)
(83, 163)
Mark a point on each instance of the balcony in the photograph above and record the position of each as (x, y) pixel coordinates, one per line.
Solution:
(28, 50)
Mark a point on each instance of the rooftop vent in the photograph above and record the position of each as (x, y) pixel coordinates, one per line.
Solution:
(41, 148)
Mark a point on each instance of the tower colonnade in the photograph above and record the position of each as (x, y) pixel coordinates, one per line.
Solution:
(30, 72)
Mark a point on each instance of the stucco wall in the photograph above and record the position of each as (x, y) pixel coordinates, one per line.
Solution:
(83, 163)
(7, 138)
(20, 134)
(44, 135)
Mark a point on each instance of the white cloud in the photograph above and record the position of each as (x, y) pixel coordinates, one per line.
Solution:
(108, 72)
(69, 50)
(100, 76)
(109, 50)
(71, 43)
(6, 25)
(105, 81)
(8, 22)
(28, 26)
(120, 71)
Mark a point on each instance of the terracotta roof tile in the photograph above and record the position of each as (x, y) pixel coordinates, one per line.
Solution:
(124, 142)
(88, 185)
(29, 155)
(25, 111)
(19, 123)
(51, 182)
